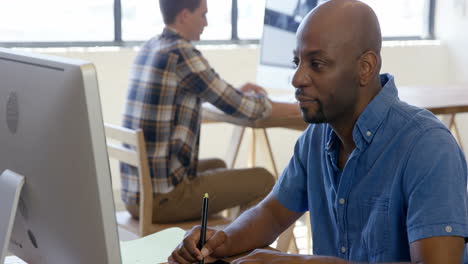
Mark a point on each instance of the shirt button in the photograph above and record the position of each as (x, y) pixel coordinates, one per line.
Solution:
(448, 229)
(343, 250)
(369, 133)
(342, 201)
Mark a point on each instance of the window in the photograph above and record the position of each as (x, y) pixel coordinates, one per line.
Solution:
(402, 18)
(250, 18)
(93, 22)
(141, 19)
(219, 20)
(56, 20)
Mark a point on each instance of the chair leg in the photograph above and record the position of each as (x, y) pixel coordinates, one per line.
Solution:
(233, 151)
(293, 248)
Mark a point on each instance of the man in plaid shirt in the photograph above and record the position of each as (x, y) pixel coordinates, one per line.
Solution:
(169, 82)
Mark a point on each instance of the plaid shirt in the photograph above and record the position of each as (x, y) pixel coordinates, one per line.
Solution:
(170, 80)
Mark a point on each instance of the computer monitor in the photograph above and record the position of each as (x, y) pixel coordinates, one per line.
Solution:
(51, 132)
(282, 18)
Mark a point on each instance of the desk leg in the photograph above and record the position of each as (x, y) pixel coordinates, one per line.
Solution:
(253, 149)
(270, 153)
(456, 132)
(449, 121)
(233, 150)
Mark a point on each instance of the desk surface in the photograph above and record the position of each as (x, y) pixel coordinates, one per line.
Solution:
(212, 114)
(448, 99)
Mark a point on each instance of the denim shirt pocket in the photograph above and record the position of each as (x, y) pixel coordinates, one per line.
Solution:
(374, 219)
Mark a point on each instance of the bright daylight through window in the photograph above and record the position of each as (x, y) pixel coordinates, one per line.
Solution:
(56, 20)
(93, 20)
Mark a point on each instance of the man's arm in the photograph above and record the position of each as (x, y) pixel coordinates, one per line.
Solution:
(197, 76)
(435, 250)
(282, 109)
(258, 227)
(279, 109)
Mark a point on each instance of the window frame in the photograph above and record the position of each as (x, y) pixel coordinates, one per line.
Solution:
(118, 41)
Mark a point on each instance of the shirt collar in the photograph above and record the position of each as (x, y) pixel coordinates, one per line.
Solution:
(370, 119)
(331, 140)
(170, 32)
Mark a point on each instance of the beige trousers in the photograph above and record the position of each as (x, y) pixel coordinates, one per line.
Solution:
(227, 188)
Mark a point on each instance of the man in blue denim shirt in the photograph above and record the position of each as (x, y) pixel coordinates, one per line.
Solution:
(383, 181)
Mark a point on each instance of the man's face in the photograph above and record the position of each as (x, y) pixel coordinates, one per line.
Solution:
(196, 21)
(326, 78)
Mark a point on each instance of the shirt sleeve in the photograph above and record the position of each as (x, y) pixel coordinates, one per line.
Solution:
(291, 188)
(198, 77)
(436, 192)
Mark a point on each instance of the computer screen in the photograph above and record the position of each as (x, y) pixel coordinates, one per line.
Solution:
(282, 18)
(51, 132)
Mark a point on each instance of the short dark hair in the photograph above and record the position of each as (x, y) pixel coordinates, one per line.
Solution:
(171, 8)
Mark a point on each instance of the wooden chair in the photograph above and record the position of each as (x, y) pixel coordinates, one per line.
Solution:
(137, 157)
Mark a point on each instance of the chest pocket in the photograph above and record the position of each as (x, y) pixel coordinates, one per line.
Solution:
(374, 219)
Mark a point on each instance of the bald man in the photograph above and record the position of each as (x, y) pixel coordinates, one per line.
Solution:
(383, 181)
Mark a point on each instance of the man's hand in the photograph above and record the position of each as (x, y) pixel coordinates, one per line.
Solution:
(188, 252)
(250, 88)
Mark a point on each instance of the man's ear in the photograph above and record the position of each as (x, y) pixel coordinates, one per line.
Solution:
(369, 63)
(183, 16)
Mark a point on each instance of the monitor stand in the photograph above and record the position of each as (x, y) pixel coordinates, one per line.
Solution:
(10, 190)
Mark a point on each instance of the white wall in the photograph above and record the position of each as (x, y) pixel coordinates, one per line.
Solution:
(452, 29)
(411, 63)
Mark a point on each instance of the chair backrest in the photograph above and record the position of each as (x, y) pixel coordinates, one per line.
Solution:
(135, 156)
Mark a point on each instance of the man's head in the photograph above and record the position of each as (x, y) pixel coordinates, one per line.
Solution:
(186, 16)
(338, 61)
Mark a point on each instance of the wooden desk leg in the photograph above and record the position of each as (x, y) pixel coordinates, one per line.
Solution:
(253, 150)
(456, 132)
(270, 153)
(233, 150)
(449, 121)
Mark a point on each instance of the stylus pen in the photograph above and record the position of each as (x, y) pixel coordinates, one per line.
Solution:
(204, 219)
